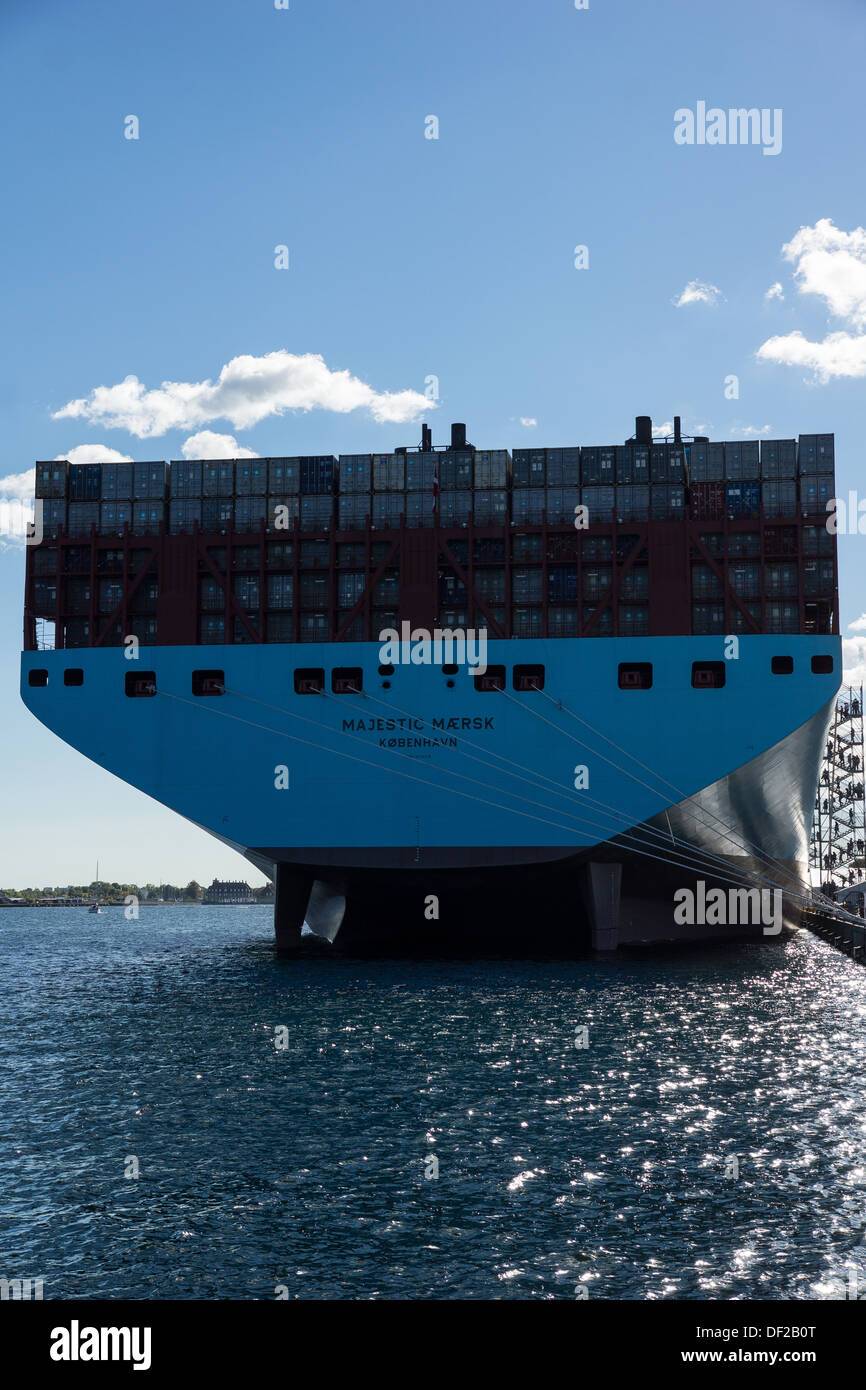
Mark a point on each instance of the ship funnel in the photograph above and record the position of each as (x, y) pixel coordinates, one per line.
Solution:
(458, 437)
(678, 439)
(643, 429)
(426, 439)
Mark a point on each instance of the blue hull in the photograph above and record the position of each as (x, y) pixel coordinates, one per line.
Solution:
(425, 778)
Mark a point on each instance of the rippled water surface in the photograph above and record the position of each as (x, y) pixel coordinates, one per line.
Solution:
(305, 1166)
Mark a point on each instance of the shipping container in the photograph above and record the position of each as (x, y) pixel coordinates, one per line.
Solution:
(708, 501)
(113, 516)
(389, 472)
(53, 516)
(284, 477)
(250, 512)
(817, 540)
(82, 515)
(562, 584)
(350, 586)
(634, 584)
(782, 617)
(600, 502)
(563, 621)
(85, 482)
(76, 596)
(353, 510)
(596, 580)
(316, 512)
(76, 633)
(563, 468)
(743, 500)
(490, 584)
(632, 502)
(387, 592)
(184, 478)
(526, 547)
(744, 543)
(184, 514)
(455, 508)
(454, 471)
(560, 504)
(313, 627)
(421, 469)
(110, 595)
(52, 479)
(526, 622)
(217, 513)
(597, 466)
(245, 589)
(282, 512)
(491, 469)
(815, 492)
(526, 584)
(314, 591)
(633, 620)
(624, 464)
(388, 507)
(355, 473)
(149, 481)
(742, 463)
(218, 478)
(780, 577)
(421, 509)
(317, 475)
(603, 624)
(778, 458)
(529, 468)
(705, 582)
(527, 505)
(279, 590)
(779, 498)
(279, 627)
(660, 463)
(676, 463)
(117, 482)
(708, 618)
(211, 628)
(818, 577)
(668, 501)
(826, 453)
(744, 577)
(490, 508)
(251, 477)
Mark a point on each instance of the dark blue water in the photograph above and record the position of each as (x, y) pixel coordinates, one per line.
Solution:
(306, 1167)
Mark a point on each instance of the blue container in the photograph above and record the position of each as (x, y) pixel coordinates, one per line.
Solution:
(85, 482)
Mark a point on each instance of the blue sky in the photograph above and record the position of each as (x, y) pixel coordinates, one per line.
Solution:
(408, 258)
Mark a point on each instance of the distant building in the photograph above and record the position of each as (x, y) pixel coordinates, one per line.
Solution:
(231, 893)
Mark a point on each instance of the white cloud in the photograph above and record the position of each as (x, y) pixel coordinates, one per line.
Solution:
(854, 660)
(94, 453)
(697, 292)
(528, 421)
(748, 431)
(247, 390)
(209, 445)
(18, 487)
(830, 263)
(859, 624)
(661, 431)
(16, 507)
(838, 355)
(775, 291)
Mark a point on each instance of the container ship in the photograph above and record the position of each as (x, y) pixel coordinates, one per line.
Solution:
(448, 695)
